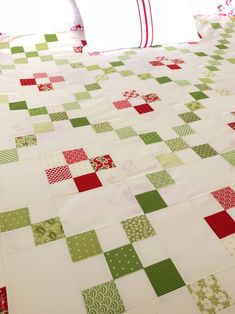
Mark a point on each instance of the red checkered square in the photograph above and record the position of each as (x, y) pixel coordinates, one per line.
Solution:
(130, 94)
(156, 63)
(40, 75)
(58, 174)
(232, 125)
(3, 301)
(150, 97)
(221, 223)
(45, 87)
(75, 155)
(102, 162)
(226, 197)
(122, 104)
(87, 182)
(173, 66)
(28, 82)
(143, 108)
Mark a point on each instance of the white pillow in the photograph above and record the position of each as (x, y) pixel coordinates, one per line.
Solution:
(116, 24)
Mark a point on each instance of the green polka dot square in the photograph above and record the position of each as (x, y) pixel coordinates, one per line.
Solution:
(83, 245)
(150, 201)
(205, 151)
(150, 138)
(104, 299)
(14, 219)
(8, 156)
(138, 228)
(164, 277)
(183, 130)
(160, 179)
(123, 261)
(47, 231)
(177, 144)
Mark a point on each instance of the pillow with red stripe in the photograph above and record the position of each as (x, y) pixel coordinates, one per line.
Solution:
(116, 24)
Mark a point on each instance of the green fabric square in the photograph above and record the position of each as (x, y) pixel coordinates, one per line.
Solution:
(18, 105)
(50, 37)
(46, 58)
(126, 73)
(215, 25)
(47, 231)
(214, 62)
(177, 144)
(204, 151)
(4, 45)
(124, 133)
(169, 160)
(230, 157)
(145, 76)
(138, 228)
(201, 54)
(93, 67)
(163, 79)
(222, 47)
(124, 57)
(189, 117)
(199, 95)
(77, 122)
(150, 138)
(77, 65)
(82, 96)
(61, 62)
(14, 219)
(3, 99)
(71, 106)
(123, 261)
(41, 46)
(231, 60)
(102, 127)
(83, 245)
(43, 127)
(17, 49)
(93, 86)
(203, 87)
(212, 68)
(103, 299)
(182, 82)
(217, 57)
(58, 116)
(160, 179)
(21, 61)
(117, 63)
(150, 201)
(183, 130)
(25, 141)
(206, 80)
(38, 111)
(164, 277)
(32, 54)
(8, 156)
(109, 70)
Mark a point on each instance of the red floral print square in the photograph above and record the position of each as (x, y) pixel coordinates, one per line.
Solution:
(225, 196)
(221, 223)
(58, 174)
(75, 155)
(78, 49)
(156, 63)
(87, 182)
(102, 162)
(143, 108)
(122, 104)
(3, 301)
(130, 94)
(150, 97)
(177, 61)
(45, 87)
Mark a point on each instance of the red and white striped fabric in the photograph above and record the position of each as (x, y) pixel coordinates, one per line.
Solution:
(116, 24)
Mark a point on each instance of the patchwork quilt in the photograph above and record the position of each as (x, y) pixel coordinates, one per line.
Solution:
(117, 176)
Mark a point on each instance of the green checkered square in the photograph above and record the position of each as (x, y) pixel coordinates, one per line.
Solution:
(58, 116)
(47, 231)
(177, 144)
(163, 79)
(160, 179)
(78, 122)
(229, 157)
(26, 141)
(91, 87)
(199, 95)
(127, 132)
(189, 117)
(14, 219)
(82, 96)
(18, 105)
(150, 201)
(138, 228)
(8, 156)
(102, 127)
(164, 277)
(123, 261)
(204, 151)
(183, 130)
(38, 111)
(50, 37)
(150, 138)
(83, 245)
(169, 160)
(194, 105)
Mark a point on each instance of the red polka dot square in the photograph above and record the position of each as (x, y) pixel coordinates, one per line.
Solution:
(225, 196)
(75, 155)
(87, 182)
(221, 223)
(58, 174)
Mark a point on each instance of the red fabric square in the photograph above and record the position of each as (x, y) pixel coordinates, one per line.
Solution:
(75, 155)
(221, 223)
(3, 301)
(173, 66)
(156, 63)
(102, 162)
(122, 104)
(177, 61)
(40, 75)
(45, 87)
(58, 174)
(150, 97)
(56, 79)
(232, 125)
(87, 182)
(143, 108)
(78, 49)
(130, 94)
(226, 197)
(27, 82)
